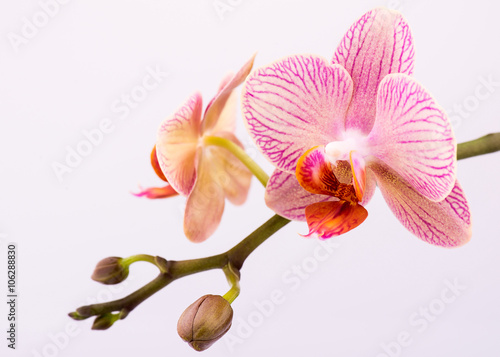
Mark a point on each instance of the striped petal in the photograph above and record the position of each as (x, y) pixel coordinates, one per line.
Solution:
(414, 137)
(446, 223)
(314, 173)
(176, 145)
(286, 197)
(379, 43)
(205, 204)
(330, 219)
(216, 110)
(294, 104)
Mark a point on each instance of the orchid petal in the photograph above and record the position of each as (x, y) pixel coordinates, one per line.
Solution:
(414, 137)
(286, 197)
(156, 165)
(315, 174)
(205, 204)
(446, 223)
(229, 172)
(176, 145)
(157, 192)
(359, 173)
(379, 43)
(294, 104)
(371, 185)
(329, 219)
(216, 109)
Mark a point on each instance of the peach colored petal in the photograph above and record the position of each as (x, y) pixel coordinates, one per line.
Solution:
(205, 203)
(215, 111)
(229, 172)
(176, 145)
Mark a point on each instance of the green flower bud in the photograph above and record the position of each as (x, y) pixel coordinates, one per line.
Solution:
(110, 271)
(103, 322)
(205, 321)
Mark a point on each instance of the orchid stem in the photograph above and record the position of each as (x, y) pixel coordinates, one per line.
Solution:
(241, 155)
(484, 145)
(232, 260)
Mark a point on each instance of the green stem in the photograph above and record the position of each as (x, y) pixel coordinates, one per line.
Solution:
(484, 145)
(240, 154)
(177, 269)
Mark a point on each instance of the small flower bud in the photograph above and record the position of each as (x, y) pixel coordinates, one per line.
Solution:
(205, 321)
(110, 271)
(103, 322)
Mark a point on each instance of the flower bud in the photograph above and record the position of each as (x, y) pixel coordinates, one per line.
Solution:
(205, 321)
(110, 271)
(103, 322)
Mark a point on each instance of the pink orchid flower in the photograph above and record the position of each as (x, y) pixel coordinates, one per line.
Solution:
(206, 174)
(337, 130)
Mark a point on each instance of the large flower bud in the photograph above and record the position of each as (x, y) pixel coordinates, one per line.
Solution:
(205, 321)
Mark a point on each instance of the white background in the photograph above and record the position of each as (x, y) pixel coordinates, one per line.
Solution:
(65, 79)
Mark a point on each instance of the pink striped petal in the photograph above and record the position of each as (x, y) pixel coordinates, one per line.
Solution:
(330, 219)
(446, 223)
(286, 197)
(228, 171)
(379, 43)
(294, 104)
(176, 145)
(216, 108)
(205, 204)
(414, 137)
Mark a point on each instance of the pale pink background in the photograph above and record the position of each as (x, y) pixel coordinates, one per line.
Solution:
(365, 292)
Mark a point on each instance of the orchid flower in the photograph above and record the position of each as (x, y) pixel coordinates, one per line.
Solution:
(336, 130)
(193, 166)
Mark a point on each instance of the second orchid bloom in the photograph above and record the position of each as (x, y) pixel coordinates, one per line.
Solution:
(205, 173)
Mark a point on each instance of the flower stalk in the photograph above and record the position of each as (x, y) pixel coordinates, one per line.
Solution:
(232, 260)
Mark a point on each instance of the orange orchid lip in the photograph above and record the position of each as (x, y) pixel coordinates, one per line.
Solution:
(329, 219)
(314, 173)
